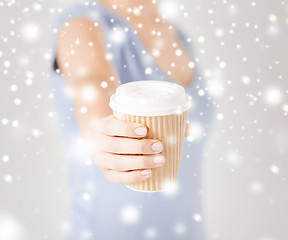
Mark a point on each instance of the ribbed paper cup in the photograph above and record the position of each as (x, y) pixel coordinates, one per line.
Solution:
(162, 107)
(170, 131)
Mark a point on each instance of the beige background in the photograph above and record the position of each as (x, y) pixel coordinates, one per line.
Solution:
(242, 48)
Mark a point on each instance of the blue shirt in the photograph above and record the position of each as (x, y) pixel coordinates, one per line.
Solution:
(101, 210)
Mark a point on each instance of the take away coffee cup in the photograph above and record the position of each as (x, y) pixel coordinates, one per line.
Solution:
(162, 107)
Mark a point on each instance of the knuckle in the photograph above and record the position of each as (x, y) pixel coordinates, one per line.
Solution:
(132, 178)
(108, 144)
(127, 128)
(145, 161)
(141, 146)
(104, 123)
(116, 162)
(109, 120)
(111, 147)
(136, 177)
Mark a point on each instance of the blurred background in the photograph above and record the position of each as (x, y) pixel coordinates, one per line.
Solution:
(242, 48)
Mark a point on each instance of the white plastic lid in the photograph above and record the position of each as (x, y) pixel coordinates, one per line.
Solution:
(150, 98)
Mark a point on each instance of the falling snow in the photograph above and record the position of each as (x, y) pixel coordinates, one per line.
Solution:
(151, 233)
(8, 178)
(275, 169)
(197, 217)
(30, 32)
(273, 96)
(11, 228)
(256, 187)
(180, 228)
(104, 84)
(240, 71)
(5, 158)
(130, 214)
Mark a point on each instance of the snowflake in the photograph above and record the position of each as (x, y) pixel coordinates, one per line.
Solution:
(64, 227)
(220, 116)
(215, 87)
(130, 214)
(83, 110)
(151, 233)
(191, 64)
(104, 84)
(246, 80)
(17, 101)
(275, 169)
(169, 9)
(7, 64)
(171, 189)
(222, 65)
(30, 31)
(77, 41)
(201, 39)
(5, 158)
(137, 11)
(273, 96)
(179, 228)
(273, 30)
(108, 56)
(256, 187)
(201, 92)
(219, 33)
(273, 18)
(51, 114)
(232, 10)
(13, 88)
(37, 7)
(79, 149)
(117, 36)
(86, 197)
(233, 158)
(4, 121)
(178, 52)
(10, 228)
(15, 123)
(197, 217)
(68, 91)
(36, 132)
(88, 93)
(194, 131)
(285, 109)
(8, 178)
(156, 52)
(148, 71)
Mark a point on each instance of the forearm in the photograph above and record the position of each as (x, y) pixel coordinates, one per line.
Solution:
(85, 69)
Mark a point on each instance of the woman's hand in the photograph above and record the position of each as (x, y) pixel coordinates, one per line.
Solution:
(121, 151)
(120, 144)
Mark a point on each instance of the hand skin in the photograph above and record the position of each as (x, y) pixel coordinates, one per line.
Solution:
(115, 143)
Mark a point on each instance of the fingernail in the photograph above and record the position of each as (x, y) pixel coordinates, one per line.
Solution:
(141, 131)
(159, 159)
(157, 147)
(146, 172)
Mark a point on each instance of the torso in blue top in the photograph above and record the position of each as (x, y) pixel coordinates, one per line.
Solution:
(101, 210)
